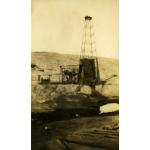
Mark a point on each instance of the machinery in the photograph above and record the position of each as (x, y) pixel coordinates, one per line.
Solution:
(69, 74)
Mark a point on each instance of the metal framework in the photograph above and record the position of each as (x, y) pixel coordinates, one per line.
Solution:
(88, 69)
(88, 49)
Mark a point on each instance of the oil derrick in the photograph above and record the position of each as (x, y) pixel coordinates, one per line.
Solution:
(88, 68)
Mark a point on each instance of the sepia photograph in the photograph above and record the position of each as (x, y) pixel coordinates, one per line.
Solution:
(74, 75)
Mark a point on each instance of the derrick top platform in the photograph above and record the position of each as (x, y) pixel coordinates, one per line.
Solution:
(88, 18)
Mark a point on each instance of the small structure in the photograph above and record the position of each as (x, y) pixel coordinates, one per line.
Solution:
(38, 75)
(44, 78)
(36, 72)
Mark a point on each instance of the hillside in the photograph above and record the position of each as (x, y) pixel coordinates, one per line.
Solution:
(41, 94)
(107, 66)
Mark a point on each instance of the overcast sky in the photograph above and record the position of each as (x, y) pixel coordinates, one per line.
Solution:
(57, 25)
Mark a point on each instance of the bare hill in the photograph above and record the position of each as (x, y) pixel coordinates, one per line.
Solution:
(107, 66)
(44, 96)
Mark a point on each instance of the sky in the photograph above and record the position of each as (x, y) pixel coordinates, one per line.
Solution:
(57, 25)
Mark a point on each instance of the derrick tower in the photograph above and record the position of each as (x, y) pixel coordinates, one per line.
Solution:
(88, 68)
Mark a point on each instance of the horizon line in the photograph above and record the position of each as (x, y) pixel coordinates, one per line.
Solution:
(71, 54)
